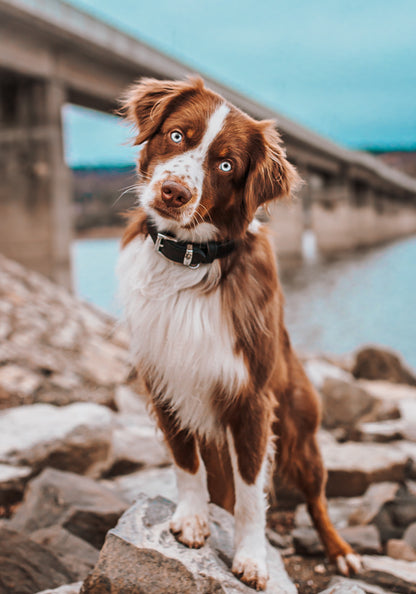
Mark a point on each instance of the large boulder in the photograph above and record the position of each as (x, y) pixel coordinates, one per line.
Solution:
(76, 437)
(27, 567)
(78, 504)
(376, 363)
(141, 556)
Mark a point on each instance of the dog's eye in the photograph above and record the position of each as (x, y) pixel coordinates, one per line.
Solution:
(225, 166)
(176, 136)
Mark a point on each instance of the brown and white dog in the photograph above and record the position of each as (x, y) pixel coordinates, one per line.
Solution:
(204, 309)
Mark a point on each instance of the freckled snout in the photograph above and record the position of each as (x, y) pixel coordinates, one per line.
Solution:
(175, 194)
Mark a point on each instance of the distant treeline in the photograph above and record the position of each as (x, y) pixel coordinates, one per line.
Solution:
(101, 194)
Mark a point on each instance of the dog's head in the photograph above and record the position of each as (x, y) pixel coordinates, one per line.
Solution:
(204, 164)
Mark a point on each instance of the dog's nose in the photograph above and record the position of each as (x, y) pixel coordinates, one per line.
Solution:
(175, 194)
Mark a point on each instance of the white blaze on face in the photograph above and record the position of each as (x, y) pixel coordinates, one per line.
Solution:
(188, 167)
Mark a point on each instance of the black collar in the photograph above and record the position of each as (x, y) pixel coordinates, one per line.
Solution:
(186, 253)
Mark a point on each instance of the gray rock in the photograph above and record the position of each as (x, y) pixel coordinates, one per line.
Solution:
(152, 482)
(80, 505)
(400, 549)
(136, 443)
(67, 589)
(75, 437)
(27, 567)
(344, 403)
(344, 587)
(352, 467)
(347, 584)
(400, 576)
(376, 363)
(410, 535)
(381, 431)
(372, 502)
(319, 370)
(75, 554)
(141, 555)
(13, 480)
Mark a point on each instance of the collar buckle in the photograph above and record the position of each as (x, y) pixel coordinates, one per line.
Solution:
(159, 242)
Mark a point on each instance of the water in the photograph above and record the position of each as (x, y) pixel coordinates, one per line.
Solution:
(331, 306)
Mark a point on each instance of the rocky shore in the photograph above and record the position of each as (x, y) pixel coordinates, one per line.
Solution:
(87, 488)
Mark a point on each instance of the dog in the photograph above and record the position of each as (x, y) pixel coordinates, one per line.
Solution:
(204, 308)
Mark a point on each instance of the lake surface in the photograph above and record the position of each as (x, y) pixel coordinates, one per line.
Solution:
(331, 306)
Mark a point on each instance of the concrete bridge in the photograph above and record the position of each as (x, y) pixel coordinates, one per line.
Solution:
(52, 54)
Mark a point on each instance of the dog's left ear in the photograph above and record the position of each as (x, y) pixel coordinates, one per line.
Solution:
(271, 175)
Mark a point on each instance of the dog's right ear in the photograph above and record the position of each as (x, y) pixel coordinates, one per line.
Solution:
(149, 101)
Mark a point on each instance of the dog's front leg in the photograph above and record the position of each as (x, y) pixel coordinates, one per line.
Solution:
(190, 520)
(248, 443)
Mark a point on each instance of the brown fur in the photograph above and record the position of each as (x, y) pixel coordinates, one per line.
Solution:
(278, 398)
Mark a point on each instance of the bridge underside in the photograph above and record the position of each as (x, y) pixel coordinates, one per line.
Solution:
(52, 54)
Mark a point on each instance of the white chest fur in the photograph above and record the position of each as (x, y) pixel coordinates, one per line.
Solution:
(178, 334)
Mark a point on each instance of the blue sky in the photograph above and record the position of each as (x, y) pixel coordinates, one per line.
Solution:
(344, 68)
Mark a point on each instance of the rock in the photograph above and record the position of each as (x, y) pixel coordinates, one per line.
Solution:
(399, 549)
(75, 554)
(377, 363)
(407, 408)
(136, 443)
(400, 576)
(103, 362)
(344, 586)
(381, 431)
(12, 482)
(53, 347)
(319, 370)
(152, 482)
(410, 535)
(67, 589)
(344, 403)
(19, 384)
(403, 509)
(27, 567)
(372, 502)
(128, 401)
(363, 539)
(352, 467)
(141, 555)
(80, 505)
(76, 437)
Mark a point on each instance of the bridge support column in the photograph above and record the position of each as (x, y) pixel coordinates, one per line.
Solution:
(287, 222)
(35, 188)
(332, 215)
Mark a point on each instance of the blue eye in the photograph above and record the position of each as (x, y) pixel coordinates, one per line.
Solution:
(225, 166)
(176, 136)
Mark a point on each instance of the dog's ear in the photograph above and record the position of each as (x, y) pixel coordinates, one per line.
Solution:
(149, 101)
(271, 175)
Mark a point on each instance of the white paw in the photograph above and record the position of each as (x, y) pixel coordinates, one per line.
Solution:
(349, 564)
(251, 570)
(191, 530)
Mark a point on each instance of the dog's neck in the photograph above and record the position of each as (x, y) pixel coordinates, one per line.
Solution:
(188, 253)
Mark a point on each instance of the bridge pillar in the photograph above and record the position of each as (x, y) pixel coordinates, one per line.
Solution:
(35, 188)
(287, 222)
(333, 214)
